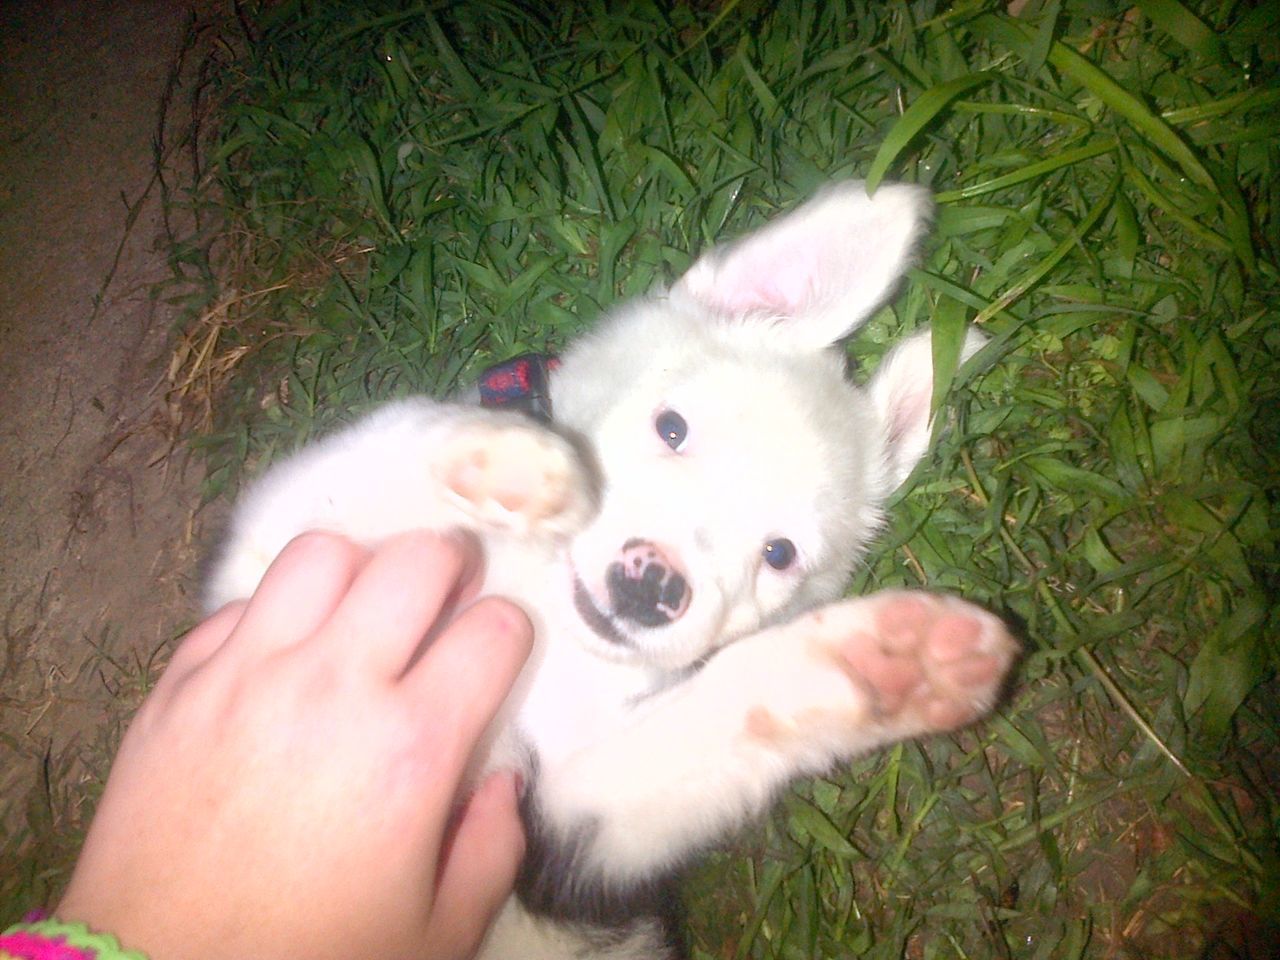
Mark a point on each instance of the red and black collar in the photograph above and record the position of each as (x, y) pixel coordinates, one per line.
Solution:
(520, 384)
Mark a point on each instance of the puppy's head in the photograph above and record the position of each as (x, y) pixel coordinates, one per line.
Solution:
(743, 474)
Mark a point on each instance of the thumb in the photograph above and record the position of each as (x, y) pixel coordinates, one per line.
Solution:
(479, 870)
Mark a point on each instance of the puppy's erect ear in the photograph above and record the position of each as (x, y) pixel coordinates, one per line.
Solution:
(902, 392)
(819, 271)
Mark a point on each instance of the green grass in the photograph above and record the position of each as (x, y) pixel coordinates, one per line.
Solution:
(407, 190)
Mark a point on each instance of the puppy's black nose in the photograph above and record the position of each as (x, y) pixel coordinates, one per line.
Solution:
(645, 587)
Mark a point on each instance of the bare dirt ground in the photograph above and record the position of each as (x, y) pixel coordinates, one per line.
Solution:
(98, 520)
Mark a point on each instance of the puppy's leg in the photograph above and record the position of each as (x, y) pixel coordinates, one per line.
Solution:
(411, 464)
(509, 473)
(792, 700)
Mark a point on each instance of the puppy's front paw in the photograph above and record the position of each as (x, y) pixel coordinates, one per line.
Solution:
(926, 663)
(517, 477)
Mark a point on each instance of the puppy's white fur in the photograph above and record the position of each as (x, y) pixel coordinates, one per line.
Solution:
(643, 743)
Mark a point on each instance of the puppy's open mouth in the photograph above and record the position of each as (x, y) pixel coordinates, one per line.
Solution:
(599, 622)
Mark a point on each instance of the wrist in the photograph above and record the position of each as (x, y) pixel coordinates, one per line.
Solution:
(53, 939)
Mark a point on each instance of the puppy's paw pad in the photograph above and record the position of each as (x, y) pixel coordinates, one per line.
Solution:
(519, 478)
(927, 662)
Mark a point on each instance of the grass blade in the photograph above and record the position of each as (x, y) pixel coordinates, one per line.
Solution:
(925, 108)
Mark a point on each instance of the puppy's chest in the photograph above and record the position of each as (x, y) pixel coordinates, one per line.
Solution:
(577, 700)
(572, 697)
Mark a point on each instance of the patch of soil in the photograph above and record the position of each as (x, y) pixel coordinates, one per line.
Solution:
(97, 514)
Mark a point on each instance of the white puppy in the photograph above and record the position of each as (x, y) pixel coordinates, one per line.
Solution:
(707, 485)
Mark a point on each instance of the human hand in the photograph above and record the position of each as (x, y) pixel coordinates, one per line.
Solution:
(290, 786)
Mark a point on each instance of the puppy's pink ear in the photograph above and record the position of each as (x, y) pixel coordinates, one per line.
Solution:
(902, 392)
(818, 272)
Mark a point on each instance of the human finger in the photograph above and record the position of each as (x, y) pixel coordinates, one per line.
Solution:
(467, 673)
(408, 585)
(480, 869)
(201, 643)
(298, 594)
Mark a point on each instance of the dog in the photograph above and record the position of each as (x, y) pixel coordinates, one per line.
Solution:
(679, 534)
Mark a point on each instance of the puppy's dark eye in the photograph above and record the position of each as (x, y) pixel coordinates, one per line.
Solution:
(779, 553)
(671, 428)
